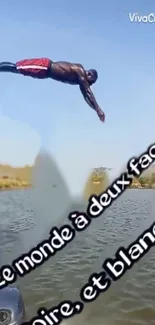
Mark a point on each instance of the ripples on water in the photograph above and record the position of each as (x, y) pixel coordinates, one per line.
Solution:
(129, 301)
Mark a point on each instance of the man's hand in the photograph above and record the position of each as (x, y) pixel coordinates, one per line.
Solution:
(100, 114)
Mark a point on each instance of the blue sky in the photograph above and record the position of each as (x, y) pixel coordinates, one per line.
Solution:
(46, 113)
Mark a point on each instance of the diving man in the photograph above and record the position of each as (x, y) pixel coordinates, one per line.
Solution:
(66, 72)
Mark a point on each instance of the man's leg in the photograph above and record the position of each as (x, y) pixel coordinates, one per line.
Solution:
(8, 67)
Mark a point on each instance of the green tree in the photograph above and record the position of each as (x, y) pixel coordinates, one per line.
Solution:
(143, 181)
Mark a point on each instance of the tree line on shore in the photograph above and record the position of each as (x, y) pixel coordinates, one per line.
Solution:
(144, 181)
(15, 177)
(97, 182)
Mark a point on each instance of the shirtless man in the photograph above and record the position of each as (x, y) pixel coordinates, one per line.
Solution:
(71, 73)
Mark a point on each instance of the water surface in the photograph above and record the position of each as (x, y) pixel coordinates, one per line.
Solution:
(129, 301)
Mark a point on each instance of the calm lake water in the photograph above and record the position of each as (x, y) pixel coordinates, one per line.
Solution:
(129, 301)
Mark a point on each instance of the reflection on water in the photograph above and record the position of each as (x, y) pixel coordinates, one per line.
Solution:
(129, 301)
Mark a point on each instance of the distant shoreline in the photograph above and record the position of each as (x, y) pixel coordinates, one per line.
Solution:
(15, 188)
(30, 186)
(141, 188)
(8, 184)
(4, 189)
(16, 178)
(144, 186)
(9, 187)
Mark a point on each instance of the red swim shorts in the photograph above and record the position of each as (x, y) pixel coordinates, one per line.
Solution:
(35, 68)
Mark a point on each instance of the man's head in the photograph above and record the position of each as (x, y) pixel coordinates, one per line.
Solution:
(92, 76)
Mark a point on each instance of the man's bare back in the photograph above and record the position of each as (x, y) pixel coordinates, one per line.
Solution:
(66, 72)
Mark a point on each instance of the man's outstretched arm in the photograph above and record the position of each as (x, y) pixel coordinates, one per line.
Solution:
(90, 98)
